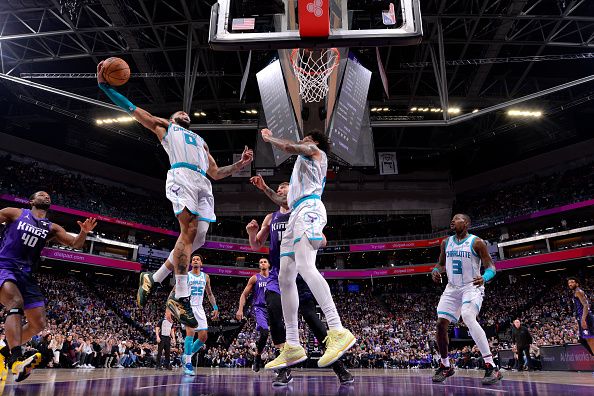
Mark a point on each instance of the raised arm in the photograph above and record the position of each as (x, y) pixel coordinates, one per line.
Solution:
(211, 298)
(258, 236)
(308, 150)
(59, 234)
(480, 247)
(156, 125)
(278, 199)
(440, 267)
(244, 296)
(225, 171)
(8, 215)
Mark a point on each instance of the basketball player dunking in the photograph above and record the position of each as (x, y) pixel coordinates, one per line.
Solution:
(461, 257)
(274, 224)
(188, 189)
(25, 235)
(583, 313)
(301, 240)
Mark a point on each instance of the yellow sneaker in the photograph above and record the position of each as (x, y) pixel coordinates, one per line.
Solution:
(337, 343)
(289, 356)
(21, 368)
(3, 368)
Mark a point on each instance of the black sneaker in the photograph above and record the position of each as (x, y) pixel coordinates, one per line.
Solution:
(145, 288)
(182, 311)
(257, 364)
(344, 376)
(492, 375)
(443, 372)
(283, 378)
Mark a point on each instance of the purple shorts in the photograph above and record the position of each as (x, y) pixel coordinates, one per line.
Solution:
(32, 296)
(261, 316)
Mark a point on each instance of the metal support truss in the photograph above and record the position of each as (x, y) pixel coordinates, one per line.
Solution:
(509, 59)
(30, 76)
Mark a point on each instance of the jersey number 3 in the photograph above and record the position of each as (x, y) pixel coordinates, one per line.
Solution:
(457, 267)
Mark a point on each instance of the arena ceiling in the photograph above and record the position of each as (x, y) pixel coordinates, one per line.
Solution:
(493, 51)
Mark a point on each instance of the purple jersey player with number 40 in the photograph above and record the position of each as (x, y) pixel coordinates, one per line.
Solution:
(21, 242)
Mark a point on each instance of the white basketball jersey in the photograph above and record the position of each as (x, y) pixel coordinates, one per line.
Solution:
(308, 178)
(197, 284)
(185, 148)
(462, 262)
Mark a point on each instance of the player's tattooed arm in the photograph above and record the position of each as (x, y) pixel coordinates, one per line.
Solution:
(8, 215)
(76, 242)
(244, 296)
(212, 299)
(288, 146)
(278, 199)
(157, 125)
(440, 267)
(218, 173)
(480, 247)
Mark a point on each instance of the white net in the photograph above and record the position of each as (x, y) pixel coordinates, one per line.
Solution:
(312, 68)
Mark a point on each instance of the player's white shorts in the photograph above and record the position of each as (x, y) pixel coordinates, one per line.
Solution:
(307, 220)
(200, 315)
(454, 297)
(187, 188)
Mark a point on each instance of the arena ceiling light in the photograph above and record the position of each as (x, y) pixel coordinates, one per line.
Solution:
(119, 120)
(199, 114)
(524, 113)
(252, 111)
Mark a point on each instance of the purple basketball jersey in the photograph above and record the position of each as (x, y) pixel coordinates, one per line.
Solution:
(259, 296)
(22, 241)
(277, 227)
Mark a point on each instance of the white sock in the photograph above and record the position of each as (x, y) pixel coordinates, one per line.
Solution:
(305, 258)
(162, 273)
(181, 286)
(188, 359)
(445, 362)
(289, 298)
(477, 332)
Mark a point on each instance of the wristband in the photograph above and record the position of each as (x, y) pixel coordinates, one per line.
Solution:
(488, 275)
(117, 98)
(435, 269)
(215, 307)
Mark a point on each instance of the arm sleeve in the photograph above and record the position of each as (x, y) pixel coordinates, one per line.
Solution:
(117, 98)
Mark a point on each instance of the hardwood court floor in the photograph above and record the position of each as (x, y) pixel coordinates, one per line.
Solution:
(242, 382)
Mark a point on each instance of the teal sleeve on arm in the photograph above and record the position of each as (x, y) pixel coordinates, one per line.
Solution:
(436, 270)
(215, 307)
(488, 275)
(117, 98)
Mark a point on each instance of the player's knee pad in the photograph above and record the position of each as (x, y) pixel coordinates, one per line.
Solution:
(15, 311)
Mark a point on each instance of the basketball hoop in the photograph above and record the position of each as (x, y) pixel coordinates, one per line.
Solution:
(312, 68)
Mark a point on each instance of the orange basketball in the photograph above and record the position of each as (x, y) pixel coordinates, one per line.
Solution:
(116, 71)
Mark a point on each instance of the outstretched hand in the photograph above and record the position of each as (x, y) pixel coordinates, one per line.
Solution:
(246, 157)
(478, 281)
(88, 225)
(436, 276)
(266, 134)
(252, 227)
(100, 78)
(258, 181)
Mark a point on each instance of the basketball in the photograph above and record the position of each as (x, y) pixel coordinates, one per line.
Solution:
(116, 71)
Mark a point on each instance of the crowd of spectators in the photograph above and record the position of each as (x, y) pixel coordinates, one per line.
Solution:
(94, 322)
(519, 197)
